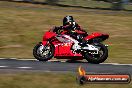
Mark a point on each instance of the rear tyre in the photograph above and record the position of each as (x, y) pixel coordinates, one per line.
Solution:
(43, 53)
(97, 58)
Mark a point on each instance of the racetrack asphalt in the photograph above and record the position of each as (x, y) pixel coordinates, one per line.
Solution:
(15, 65)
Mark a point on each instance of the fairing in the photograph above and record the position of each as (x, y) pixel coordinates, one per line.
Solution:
(63, 49)
(48, 35)
(97, 35)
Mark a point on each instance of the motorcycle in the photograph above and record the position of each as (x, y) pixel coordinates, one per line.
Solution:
(60, 45)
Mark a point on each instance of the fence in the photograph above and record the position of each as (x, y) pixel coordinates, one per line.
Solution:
(92, 4)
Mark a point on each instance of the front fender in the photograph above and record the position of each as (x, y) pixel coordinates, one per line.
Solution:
(48, 35)
(44, 43)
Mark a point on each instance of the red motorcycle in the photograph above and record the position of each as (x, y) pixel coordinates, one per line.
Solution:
(60, 45)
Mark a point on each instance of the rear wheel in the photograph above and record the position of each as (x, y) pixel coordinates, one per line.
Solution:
(97, 58)
(43, 53)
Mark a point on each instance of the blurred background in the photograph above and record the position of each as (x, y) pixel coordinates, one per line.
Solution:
(23, 23)
(95, 4)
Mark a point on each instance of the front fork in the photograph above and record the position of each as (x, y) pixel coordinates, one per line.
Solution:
(44, 43)
(42, 48)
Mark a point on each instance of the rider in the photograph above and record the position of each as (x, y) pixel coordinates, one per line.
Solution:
(69, 24)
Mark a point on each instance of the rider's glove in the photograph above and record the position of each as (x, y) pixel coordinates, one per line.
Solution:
(61, 27)
(57, 28)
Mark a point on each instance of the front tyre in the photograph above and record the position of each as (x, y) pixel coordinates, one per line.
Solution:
(97, 58)
(43, 53)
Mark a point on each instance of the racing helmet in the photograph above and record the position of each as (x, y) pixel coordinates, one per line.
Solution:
(67, 20)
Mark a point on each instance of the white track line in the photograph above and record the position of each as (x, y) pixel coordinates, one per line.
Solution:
(54, 61)
(126, 64)
(9, 58)
(63, 61)
(13, 58)
(3, 66)
(2, 58)
(47, 71)
(27, 59)
(24, 67)
(109, 63)
(122, 64)
(116, 64)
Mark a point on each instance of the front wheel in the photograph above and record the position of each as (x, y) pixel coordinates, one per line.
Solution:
(97, 58)
(43, 53)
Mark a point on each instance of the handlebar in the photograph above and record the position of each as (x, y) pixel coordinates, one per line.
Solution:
(58, 30)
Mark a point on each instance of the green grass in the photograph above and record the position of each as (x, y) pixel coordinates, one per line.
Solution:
(48, 80)
(22, 27)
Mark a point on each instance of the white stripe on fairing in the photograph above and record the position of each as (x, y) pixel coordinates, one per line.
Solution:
(24, 67)
(3, 66)
(70, 38)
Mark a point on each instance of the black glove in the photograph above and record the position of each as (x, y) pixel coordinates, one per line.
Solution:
(86, 34)
(56, 29)
(61, 27)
